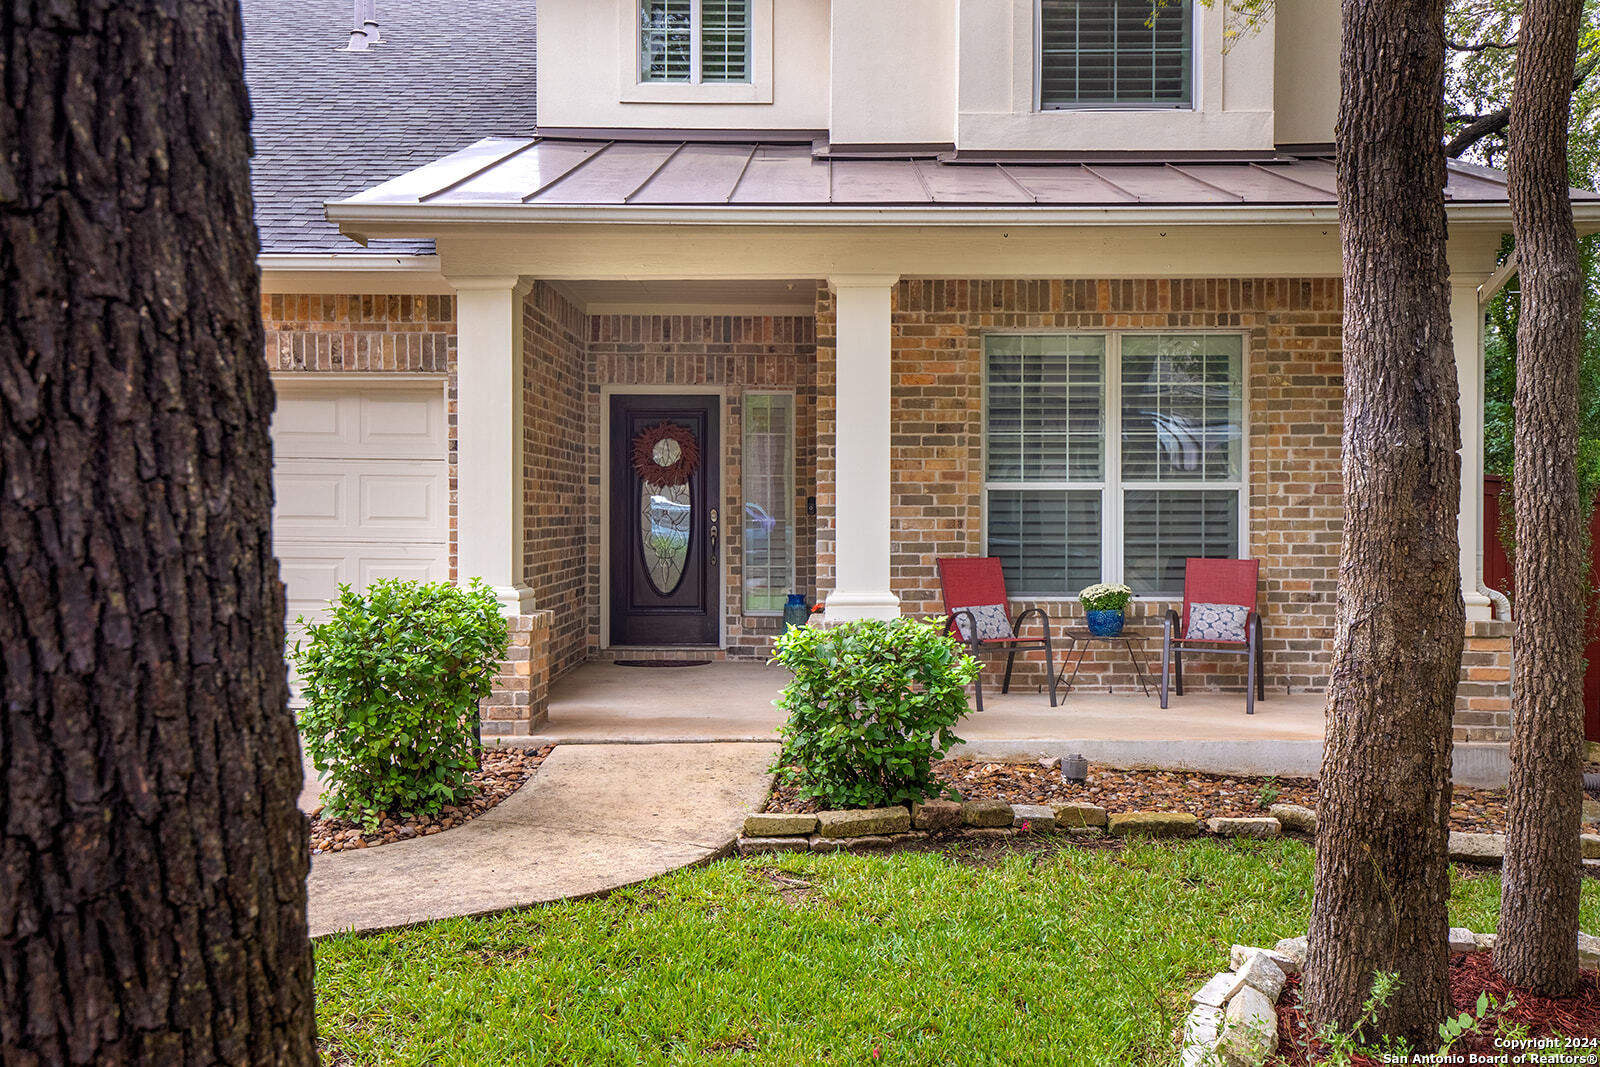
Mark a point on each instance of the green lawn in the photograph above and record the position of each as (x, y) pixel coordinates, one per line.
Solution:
(1066, 955)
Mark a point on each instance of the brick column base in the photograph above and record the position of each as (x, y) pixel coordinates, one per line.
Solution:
(520, 702)
(1483, 696)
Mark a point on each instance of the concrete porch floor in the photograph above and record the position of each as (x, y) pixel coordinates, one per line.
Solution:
(602, 702)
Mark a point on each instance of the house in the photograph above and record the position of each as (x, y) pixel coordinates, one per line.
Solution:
(859, 283)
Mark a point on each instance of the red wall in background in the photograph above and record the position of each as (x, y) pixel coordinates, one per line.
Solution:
(1497, 575)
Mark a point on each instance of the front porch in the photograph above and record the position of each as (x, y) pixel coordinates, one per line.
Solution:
(850, 430)
(730, 701)
(1206, 731)
(1093, 391)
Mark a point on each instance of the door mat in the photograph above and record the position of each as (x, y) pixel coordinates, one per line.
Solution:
(661, 662)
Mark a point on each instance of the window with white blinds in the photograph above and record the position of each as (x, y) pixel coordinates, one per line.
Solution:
(1112, 457)
(1115, 53)
(767, 484)
(696, 41)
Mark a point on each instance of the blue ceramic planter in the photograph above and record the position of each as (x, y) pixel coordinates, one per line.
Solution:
(1105, 623)
(795, 612)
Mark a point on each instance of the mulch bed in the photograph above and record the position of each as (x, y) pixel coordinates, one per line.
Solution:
(503, 772)
(1201, 795)
(1471, 974)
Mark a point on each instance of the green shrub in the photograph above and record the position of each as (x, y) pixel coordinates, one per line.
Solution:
(871, 706)
(392, 682)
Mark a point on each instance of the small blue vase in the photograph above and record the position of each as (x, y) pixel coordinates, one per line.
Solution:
(795, 612)
(1105, 623)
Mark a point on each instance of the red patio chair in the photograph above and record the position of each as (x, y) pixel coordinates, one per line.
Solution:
(975, 606)
(1219, 613)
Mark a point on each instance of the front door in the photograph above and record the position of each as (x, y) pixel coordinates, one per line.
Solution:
(665, 520)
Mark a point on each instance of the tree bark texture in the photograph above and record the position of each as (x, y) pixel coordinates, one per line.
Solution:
(152, 860)
(1537, 946)
(1382, 876)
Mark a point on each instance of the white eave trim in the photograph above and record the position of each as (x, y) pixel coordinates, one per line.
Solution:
(348, 261)
(352, 273)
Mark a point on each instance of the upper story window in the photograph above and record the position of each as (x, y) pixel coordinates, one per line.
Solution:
(1116, 53)
(694, 41)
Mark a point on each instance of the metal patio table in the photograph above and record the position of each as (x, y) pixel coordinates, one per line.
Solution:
(1081, 638)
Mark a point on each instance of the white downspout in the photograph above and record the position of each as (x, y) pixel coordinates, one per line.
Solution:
(1502, 603)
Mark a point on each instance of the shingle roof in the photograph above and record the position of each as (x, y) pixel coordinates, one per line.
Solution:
(329, 124)
(560, 172)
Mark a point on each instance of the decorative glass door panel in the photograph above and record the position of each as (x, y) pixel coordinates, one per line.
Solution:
(665, 514)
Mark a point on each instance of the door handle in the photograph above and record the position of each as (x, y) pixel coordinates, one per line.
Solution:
(713, 528)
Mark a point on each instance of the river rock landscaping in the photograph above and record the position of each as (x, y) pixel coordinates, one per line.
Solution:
(501, 772)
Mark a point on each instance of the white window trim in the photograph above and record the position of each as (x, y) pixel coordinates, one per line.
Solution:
(789, 483)
(1196, 29)
(1111, 487)
(633, 90)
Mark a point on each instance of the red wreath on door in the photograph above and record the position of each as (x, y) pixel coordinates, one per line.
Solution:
(674, 464)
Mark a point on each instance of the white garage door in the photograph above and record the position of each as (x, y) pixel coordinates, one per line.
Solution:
(362, 488)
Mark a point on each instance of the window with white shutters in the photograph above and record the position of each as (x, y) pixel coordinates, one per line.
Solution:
(1116, 53)
(695, 41)
(1112, 457)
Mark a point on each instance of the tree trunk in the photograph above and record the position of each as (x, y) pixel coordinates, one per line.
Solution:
(1537, 946)
(1382, 876)
(152, 860)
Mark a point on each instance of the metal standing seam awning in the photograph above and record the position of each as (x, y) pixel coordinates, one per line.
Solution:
(507, 178)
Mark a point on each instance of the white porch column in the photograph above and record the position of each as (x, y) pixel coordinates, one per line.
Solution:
(489, 415)
(1466, 327)
(861, 449)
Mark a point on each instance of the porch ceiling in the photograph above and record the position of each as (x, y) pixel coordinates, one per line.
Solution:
(755, 296)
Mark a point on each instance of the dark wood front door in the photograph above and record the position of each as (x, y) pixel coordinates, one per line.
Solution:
(665, 538)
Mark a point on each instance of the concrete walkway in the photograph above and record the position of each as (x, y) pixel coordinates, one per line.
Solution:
(595, 818)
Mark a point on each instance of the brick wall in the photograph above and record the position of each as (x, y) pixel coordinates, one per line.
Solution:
(732, 353)
(558, 522)
(1294, 396)
(1483, 696)
(520, 702)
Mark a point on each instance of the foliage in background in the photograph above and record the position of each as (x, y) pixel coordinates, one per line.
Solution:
(871, 706)
(392, 683)
(1482, 37)
(1477, 86)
